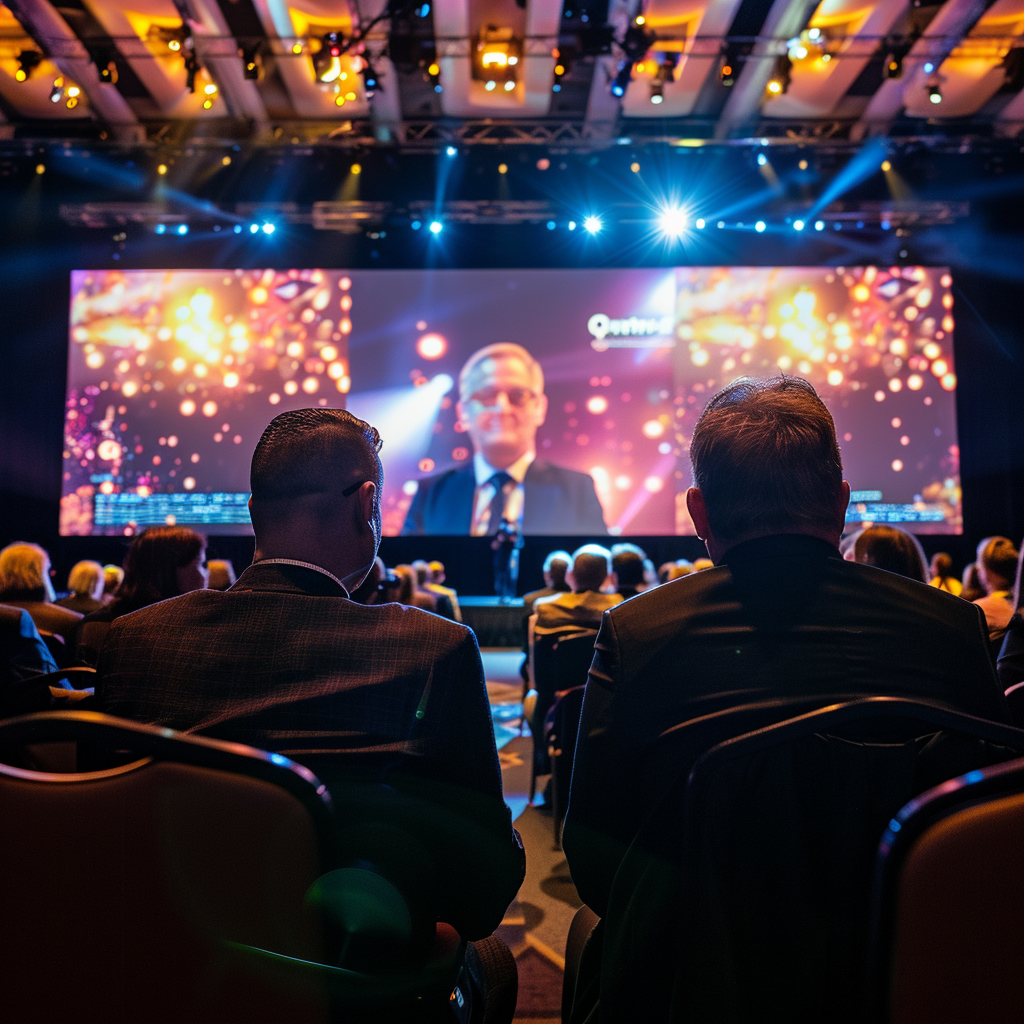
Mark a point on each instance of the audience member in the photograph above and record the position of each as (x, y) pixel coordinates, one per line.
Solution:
(162, 562)
(369, 591)
(942, 577)
(435, 585)
(628, 570)
(585, 603)
(384, 695)
(85, 581)
(222, 574)
(893, 550)
(409, 594)
(780, 615)
(113, 575)
(556, 565)
(1011, 655)
(997, 566)
(972, 588)
(700, 564)
(848, 545)
(442, 602)
(25, 583)
(670, 571)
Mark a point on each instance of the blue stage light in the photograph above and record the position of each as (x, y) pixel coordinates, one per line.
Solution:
(886, 225)
(452, 151)
(592, 224)
(760, 226)
(798, 225)
(819, 225)
(436, 227)
(238, 229)
(672, 222)
(572, 225)
(253, 228)
(269, 228)
(416, 225)
(551, 225)
(761, 159)
(182, 229)
(160, 228)
(699, 223)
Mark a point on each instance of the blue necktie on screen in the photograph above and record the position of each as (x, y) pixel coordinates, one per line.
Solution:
(497, 507)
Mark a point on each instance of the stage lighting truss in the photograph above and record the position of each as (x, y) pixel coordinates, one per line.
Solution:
(496, 57)
(28, 61)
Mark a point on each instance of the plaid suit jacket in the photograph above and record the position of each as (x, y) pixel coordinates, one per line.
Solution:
(380, 694)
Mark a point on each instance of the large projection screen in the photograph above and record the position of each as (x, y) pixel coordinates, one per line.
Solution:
(173, 375)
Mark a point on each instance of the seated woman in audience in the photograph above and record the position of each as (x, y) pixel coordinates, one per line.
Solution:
(972, 588)
(163, 562)
(85, 581)
(113, 576)
(997, 567)
(893, 550)
(1011, 655)
(942, 574)
(25, 583)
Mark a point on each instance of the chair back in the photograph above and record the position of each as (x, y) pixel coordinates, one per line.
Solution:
(948, 903)
(746, 893)
(136, 892)
(1015, 702)
(561, 729)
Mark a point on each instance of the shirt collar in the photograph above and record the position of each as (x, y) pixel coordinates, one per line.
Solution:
(484, 470)
(303, 565)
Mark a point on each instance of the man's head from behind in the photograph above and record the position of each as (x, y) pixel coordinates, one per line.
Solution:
(628, 565)
(502, 402)
(591, 565)
(556, 565)
(316, 481)
(766, 461)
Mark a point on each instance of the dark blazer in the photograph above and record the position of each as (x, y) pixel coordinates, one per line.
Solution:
(783, 617)
(555, 501)
(384, 693)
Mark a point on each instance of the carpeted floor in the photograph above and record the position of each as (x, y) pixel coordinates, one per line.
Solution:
(536, 925)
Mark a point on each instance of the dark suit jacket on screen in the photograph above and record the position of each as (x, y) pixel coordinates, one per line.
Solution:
(384, 693)
(555, 501)
(782, 617)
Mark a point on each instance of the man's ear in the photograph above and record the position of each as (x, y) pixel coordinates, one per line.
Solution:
(366, 492)
(540, 410)
(698, 512)
(844, 504)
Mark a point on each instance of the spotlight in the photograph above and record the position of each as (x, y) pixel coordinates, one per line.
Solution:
(254, 229)
(182, 229)
(928, 68)
(160, 229)
(252, 62)
(798, 225)
(699, 223)
(727, 73)
(779, 82)
(175, 38)
(934, 94)
(894, 66)
(819, 225)
(269, 228)
(57, 92)
(592, 224)
(760, 226)
(436, 227)
(28, 61)
(657, 92)
(886, 166)
(562, 66)
(551, 225)
(761, 159)
(434, 75)
(452, 151)
(672, 222)
(622, 79)
(237, 229)
(496, 56)
(416, 225)
(370, 81)
(106, 66)
(509, 86)
(327, 60)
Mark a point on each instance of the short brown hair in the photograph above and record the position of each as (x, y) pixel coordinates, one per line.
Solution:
(997, 557)
(766, 459)
(892, 549)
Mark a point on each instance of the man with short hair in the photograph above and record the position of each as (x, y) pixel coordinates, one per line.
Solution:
(501, 406)
(556, 565)
(629, 568)
(780, 614)
(285, 661)
(435, 584)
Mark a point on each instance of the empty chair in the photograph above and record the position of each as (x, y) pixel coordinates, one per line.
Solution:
(948, 904)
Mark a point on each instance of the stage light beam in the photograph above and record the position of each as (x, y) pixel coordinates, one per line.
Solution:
(592, 225)
(672, 222)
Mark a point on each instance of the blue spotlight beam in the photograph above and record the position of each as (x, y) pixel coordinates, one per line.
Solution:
(862, 165)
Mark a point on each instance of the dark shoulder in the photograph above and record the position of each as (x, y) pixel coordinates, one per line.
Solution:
(441, 480)
(542, 471)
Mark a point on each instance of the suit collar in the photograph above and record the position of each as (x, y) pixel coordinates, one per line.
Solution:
(783, 545)
(289, 578)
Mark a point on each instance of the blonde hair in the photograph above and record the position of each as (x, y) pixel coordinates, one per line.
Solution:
(86, 577)
(112, 578)
(23, 566)
(502, 350)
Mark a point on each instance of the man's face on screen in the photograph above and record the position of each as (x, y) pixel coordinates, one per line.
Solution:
(500, 409)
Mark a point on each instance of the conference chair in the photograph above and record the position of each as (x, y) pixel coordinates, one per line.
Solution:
(199, 882)
(746, 893)
(561, 660)
(948, 904)
(561, 728)
(1015, 702)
